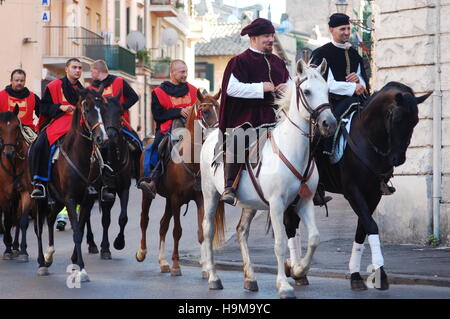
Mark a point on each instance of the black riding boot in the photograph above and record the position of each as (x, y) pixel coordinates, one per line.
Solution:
(231, 171)
(319, 197)
(148, 184)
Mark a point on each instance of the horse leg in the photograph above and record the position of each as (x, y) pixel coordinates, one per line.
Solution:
(51, 219)
(201, 240)
(7, 238)
(163, 227)
(23, 224)
(2, 228)
(41, 211)
(177, 232)
(17, 214)
(285, 290)
(145, 209)
(354, 265)
(242, 231)
(211, 200)
(306, 211)
(119, 242)
(92, 246)
(361, 207)
(78, 230)
(105, 253)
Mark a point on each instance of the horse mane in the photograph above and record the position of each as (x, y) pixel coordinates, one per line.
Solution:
(7, 116)
(389, 86)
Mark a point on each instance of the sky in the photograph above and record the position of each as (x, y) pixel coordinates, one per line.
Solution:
(277, 7)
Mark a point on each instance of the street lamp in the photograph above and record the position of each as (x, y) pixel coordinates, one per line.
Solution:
(341, 6)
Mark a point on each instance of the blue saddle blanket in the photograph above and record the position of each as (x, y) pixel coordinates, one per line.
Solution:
(150, 159)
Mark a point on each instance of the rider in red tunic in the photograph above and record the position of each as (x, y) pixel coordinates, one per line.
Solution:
(58, 104)
(172, 99)
(113, 86)
(17, 93)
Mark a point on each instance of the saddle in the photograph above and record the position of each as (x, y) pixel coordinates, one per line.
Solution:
(28, 134)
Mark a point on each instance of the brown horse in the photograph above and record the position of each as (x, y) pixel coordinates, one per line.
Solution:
(69, 184)
(15, 186)
(181, 184)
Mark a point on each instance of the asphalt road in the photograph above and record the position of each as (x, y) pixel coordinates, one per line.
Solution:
(124, 278)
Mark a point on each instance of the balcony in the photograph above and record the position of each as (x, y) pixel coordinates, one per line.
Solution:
(62, 43)
(116, 57)
(163, 8)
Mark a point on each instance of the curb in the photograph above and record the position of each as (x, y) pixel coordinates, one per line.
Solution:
(394, 279)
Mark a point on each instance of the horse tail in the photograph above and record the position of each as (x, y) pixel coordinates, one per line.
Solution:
(219, 225)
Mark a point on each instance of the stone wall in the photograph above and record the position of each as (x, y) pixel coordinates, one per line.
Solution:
(405, 51)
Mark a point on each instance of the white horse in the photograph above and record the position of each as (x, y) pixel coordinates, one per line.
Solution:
(305, 103)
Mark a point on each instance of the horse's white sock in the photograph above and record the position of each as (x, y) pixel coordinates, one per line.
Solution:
(355, 260)
(375, 247)
(292, 244)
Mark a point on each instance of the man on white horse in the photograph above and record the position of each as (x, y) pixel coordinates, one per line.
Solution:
(249, 84)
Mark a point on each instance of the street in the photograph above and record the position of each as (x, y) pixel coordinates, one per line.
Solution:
(124, 278)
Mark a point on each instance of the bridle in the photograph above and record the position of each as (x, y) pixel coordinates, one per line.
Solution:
(198, 108)
(84, 121)
(11, 160)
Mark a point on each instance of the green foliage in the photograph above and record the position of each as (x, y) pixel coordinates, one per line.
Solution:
(143, 56)
(433, 241)
(301, 44)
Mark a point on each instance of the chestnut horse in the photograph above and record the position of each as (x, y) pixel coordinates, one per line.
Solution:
(181, 184)
(15, 186)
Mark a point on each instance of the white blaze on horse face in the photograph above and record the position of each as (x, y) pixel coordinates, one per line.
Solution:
(102, 126)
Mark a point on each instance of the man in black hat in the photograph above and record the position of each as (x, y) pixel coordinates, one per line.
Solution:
(345, 75)
(249, 83)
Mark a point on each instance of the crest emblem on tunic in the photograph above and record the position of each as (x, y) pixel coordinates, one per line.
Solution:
(22, 106)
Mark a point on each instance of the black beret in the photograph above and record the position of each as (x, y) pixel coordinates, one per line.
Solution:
(257, 27)
(338, 19)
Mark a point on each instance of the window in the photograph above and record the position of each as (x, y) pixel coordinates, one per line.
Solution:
(140, 24)
(128, 20)
(98, 23)
(88, 18)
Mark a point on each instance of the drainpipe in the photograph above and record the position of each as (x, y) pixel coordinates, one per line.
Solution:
(437, 129)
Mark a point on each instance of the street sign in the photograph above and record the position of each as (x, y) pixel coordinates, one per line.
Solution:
(46, 3)
(46, 16)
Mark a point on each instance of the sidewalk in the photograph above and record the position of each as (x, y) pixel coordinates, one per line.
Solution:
(404, 264)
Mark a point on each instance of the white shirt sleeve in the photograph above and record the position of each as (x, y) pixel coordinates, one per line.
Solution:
(343, 87)
(245, 90)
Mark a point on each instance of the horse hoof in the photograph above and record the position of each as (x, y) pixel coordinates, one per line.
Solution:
(15, 253)
(93, 249)
(356, 282)
(287, 294)
(119, 243)
(302, 281)
(175, 272)
(251, 285)
(215, 285)
(140, 257)
(22, 258)
(106, 255)
(384, 283)
(8, 256)
(205, 274)
(165, 268)
(42, 271)
(84, 276)
(287, 267)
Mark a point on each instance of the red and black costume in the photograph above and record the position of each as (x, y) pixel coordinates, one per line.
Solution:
(167, 102)
(53, 124)
(27, 101)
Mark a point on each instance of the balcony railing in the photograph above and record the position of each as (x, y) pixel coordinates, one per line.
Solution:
(61, 41)
(116, 57)
(164, 8)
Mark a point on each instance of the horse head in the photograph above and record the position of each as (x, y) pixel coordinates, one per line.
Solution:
(400, 116)
(112, 117)
(309, 98)
(206, 110)
(9, 133)
(91, 105)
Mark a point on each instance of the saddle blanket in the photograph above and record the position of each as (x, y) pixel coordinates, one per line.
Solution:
(341, 142)
(150, 159)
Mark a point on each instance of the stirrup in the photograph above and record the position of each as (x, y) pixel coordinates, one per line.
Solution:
(229, 196)
(386, 189)
(104, 198)
(44, 193)
(91, 191)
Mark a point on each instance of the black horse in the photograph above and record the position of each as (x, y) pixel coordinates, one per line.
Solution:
(69, 185)
(115, 174)
(379, 137)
